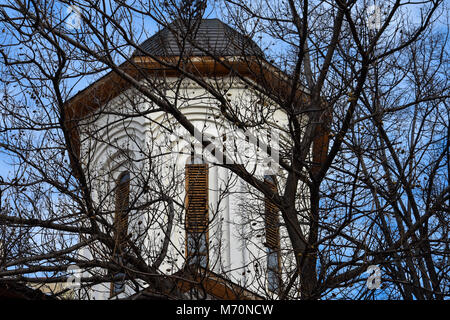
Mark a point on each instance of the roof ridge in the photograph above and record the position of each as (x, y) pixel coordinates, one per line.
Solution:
(227, 41)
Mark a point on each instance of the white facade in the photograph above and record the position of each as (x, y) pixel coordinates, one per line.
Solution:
(129, 135)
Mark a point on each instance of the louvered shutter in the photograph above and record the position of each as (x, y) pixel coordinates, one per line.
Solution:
(122, 196)
(197, 214)
(196, 198)
(321, 142)
(271, 218)
(319, 149)
(122, 199)
(272, 239)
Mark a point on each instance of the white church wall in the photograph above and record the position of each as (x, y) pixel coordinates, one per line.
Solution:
(234, 250)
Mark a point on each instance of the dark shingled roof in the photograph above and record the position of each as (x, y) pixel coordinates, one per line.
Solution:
(211, 35)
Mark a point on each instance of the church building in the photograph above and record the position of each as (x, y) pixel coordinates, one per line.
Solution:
(172, 193)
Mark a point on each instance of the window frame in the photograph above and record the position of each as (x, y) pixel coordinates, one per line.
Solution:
(197, 257)
(120, 231)
(272, 230)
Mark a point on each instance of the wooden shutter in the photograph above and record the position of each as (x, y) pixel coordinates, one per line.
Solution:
(321, 142)
(272, 239)
(122, 198)
(196, 198)
(271, 217)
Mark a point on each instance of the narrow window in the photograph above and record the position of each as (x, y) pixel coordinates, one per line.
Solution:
(122, 198)
(320, 144)
(272, 238)
(196, 222)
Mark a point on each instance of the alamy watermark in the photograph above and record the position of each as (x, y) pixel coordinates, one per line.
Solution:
(373, 17)
(233, 147)
(374, 279)
(74, 278)
(73, 20)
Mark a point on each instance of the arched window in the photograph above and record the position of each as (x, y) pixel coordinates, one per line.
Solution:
(272, 231)
(122, 199)
(196, 222)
